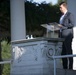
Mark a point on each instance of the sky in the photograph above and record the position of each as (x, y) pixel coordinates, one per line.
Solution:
(47, 1)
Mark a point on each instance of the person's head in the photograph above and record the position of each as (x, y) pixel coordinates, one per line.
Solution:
(63, 7)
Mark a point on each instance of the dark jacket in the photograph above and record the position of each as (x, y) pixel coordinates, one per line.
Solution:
(68, 24)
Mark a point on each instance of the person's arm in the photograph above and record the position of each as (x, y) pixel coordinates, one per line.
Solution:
(70, 21)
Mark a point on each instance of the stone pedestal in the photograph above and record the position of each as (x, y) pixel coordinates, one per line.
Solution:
(30, 57)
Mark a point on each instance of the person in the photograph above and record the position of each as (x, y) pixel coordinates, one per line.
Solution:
(66, 31)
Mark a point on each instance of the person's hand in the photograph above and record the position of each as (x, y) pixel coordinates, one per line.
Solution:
(60, 25)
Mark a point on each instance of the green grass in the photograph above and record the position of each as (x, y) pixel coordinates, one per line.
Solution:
(6, 54)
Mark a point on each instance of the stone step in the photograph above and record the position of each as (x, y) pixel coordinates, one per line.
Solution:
(65, 72)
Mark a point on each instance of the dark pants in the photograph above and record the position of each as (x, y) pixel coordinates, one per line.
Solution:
(66, 50)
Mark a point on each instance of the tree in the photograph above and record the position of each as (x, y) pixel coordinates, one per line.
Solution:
(4, 17)
(4, 23)
(37, 14)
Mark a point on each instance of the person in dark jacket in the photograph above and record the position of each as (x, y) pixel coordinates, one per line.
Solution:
(66, 31)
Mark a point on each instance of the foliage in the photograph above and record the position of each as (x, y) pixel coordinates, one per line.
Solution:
(6, 50)
(6, 69)
(6, 54)
(37, 14)
(5, 14)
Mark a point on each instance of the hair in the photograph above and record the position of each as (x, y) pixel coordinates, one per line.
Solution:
(63, 3)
